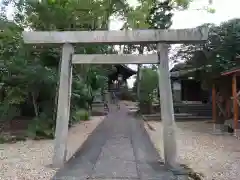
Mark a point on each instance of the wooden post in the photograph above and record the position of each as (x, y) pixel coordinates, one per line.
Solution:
(167, 113)
(214, 107)
(61, 132)
(235, 103)
(228, 108)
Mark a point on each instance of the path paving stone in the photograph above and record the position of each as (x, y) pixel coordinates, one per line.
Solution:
(119, 149)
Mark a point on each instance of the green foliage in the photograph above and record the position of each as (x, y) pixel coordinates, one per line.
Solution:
(2, 140)
(218, 54)
(41, 127)
(148, 84)
(81, 115)
(160, 15)
(126, 93)
(5, 138)
(148, 89)
(8, 111)
(211, 10)
(29, 74)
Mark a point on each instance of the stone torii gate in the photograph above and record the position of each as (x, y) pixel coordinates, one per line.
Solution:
(162, 37)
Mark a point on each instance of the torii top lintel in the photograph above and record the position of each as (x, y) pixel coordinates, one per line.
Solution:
(172, 36)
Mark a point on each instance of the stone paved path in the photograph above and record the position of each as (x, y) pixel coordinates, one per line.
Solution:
(119, 149)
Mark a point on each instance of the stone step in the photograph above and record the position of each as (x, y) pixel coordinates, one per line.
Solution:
(196, 110)
(178, 117)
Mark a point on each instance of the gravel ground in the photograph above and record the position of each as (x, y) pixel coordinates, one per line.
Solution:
(31, 160)
(217, 157)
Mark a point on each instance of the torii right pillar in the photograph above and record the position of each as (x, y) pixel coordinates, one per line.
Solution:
(167, 112)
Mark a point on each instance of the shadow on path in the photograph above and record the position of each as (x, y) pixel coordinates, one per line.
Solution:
(119, 148)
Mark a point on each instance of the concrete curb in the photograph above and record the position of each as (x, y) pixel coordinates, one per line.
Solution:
(70, 157)
(180, 172)
(146, 121)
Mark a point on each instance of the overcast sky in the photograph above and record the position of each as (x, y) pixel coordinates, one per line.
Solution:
(225, 10)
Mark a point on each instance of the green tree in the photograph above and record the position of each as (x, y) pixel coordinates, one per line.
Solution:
(148, 87)
(218, 54)
(29, 74)
(151, 14)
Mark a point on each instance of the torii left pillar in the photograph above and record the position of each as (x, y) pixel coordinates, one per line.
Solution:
(63, 108)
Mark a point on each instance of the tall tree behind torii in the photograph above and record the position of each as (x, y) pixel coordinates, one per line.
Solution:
(149, 14)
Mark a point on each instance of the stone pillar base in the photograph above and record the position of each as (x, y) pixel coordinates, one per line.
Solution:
(179, 172)
(218, 129)
(237, 133)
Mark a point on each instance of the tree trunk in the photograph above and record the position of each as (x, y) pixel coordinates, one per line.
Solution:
(35, 104)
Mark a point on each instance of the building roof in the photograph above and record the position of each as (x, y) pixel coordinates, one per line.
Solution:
(235, 70)
(198, 60)
(131, 71)
(123, 70)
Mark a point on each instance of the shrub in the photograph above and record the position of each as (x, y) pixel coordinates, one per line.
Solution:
(81, 115)
(128, 96)
(7, 138)
(147, 91)
(2, 140)
(41, 127)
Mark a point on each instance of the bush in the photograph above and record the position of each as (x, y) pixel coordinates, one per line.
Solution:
(148, 87)
(128, 96)
(8, 112)
(41, 127)
(8, 138)
(81, 115)
(2, 140)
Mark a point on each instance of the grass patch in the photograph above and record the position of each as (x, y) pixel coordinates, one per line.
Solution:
(6, 138)
(81, 115)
